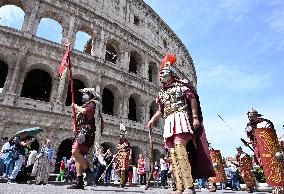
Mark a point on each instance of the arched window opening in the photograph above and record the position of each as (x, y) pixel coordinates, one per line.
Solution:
(108, 101)
(133, 63)
(50, 29)
(83, 42)
(111, 53)
(132, 109)
(37, 85)
(152, 72)
(3, 75)
(77, 85)
(12, 16)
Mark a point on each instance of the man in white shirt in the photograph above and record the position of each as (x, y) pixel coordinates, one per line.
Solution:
(164, 171)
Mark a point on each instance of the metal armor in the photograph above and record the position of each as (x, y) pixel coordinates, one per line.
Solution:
(174, 99)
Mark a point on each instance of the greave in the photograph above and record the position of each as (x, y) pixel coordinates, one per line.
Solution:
(122, 177)
(176, 170)
(185, 166)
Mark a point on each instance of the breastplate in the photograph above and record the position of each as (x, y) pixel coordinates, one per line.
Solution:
(174, 99)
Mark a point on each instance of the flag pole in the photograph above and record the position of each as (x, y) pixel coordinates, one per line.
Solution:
(72, 90)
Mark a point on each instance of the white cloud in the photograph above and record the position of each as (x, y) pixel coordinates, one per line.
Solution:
(233, 78)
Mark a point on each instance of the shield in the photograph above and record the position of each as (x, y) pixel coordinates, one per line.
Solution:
(269, 148)
(247, 173)
(218, 166)
(29, 131)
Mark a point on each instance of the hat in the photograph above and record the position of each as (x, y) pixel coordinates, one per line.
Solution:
(91, 91)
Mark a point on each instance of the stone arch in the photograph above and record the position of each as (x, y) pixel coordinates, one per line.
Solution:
(136, 150)
(18, 20)
(108, 101)
(117, 98)
(64, 150)
(18, 3)
(52, 15)
(112, 51)
(153, 72)
(134, 108)
(3, 74)
(88, 45)
(45, 32)
(135, 62)
(77, 85)
(109, 145)
(37, 85)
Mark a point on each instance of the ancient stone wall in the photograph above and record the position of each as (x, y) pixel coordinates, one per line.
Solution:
(130, 26)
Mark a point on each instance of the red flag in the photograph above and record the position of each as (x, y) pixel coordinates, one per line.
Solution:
(64, 62)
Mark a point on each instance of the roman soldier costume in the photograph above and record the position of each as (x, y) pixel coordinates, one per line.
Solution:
(267, 150)
(85, 135)
(183, 130)
(246, 168)
(124, 156)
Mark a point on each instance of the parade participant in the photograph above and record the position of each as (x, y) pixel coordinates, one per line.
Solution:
(245, 164)
(267, 149)
(44, 161)
(85, 136)
(124, 156)
(183, 130)
(141, 170)
(256, 121)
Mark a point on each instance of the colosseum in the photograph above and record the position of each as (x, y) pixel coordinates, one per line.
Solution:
(120, 60)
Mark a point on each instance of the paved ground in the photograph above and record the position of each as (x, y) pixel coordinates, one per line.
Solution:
(61, 189)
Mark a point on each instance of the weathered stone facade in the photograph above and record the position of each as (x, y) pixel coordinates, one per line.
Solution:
(128, 25)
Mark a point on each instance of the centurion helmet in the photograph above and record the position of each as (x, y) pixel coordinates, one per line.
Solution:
(253, 112)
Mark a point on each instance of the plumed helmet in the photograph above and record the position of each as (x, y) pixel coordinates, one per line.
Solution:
(254, 112)
(168, 61)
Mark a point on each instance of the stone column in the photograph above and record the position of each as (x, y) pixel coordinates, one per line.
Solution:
(98, 137)
(30, 24)
(11, 93)
(146, 69)
(69, 33)
(125, 106)
(125, 58)
(58, 105)
(99, 48)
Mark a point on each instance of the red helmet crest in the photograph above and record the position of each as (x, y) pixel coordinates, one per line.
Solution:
(168, 60)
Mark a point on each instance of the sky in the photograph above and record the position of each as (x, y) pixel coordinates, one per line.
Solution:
(238, 52)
